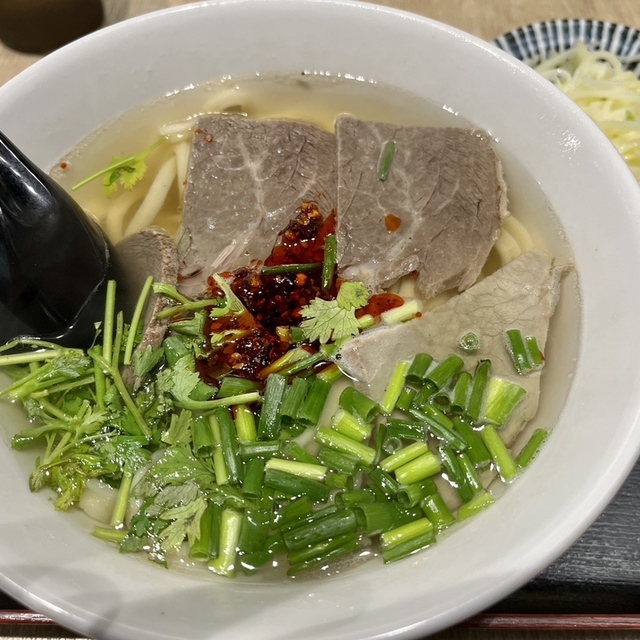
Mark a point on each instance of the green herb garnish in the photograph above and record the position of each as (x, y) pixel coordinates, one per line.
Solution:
(124, 172)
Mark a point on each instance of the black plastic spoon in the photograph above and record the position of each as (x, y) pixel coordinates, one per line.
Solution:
(54, 261)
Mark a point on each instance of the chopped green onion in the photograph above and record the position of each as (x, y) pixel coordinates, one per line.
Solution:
(302, 469)
(439, 425)
(461, 392)
(358, 404)
(394, 387)
(331, 526)
(469, 341)
(284, 362)
(391, 444)
(412, 495)
(476, 450)
(349, 425)
(518, 351)
(252, 561)
(259, 449)
(292, 450)
(417, 373)
(422, 398)
(441, 401)
(269, 423)
(502, 458)
(330, 374)
(322, 553)
(406, 539)
(296, 335)
(202, 436)
(255, 528)
(229, 445)
(284, 269)
(311, 409)
(235, 386)
(478, 390)
(325, 352)
(418, 469)
(338, 461)
(377, 517)
(201, 547)
(405, 399)
(403, 456)
(253, 477)
(230, 525)
(537, 359)
(294, 485)
(435, 508)
(386, 159)
(343, 444)
(294, 511)
(454, 474)
(293, 399)
(365, 321)
(469, 472)
(329, 261)
(502, 399)
(245, 423)
(219, 464)
(339, 480)
(384, 482)
(354, 498)
(405, 430)
(438, 377)
(532, 447)
(397, 315)
(477, 504)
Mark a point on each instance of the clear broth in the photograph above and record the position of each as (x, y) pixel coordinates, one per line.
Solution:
(319, 100)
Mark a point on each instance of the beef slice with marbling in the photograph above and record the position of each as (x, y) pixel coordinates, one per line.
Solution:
(445, 188)
(521, 295)
(246, 180)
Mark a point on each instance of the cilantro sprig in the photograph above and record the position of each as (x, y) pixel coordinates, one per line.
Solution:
(333, 320)
(124, 172)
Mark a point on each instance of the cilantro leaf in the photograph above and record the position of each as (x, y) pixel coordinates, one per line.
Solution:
(325, 321)
(144, 361)
(352, 295)
(126, 172)
(184, 381)
(125, 452)
(176, 466)
(185, 523)
(333, 320)
(179, 431)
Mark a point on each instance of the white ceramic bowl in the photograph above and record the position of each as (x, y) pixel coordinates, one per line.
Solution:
(48, 562)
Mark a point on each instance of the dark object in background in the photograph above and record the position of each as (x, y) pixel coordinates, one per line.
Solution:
(54, 261)
(40, 26)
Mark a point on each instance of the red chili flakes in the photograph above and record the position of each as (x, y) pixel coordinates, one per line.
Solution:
(392, 222)
(271, 300)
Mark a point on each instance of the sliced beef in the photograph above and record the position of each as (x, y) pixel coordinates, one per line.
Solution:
(522, 295)
(149, 253)
(445, 191)
(245, 181)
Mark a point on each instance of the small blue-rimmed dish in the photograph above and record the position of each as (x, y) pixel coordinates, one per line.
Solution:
(536, 42)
